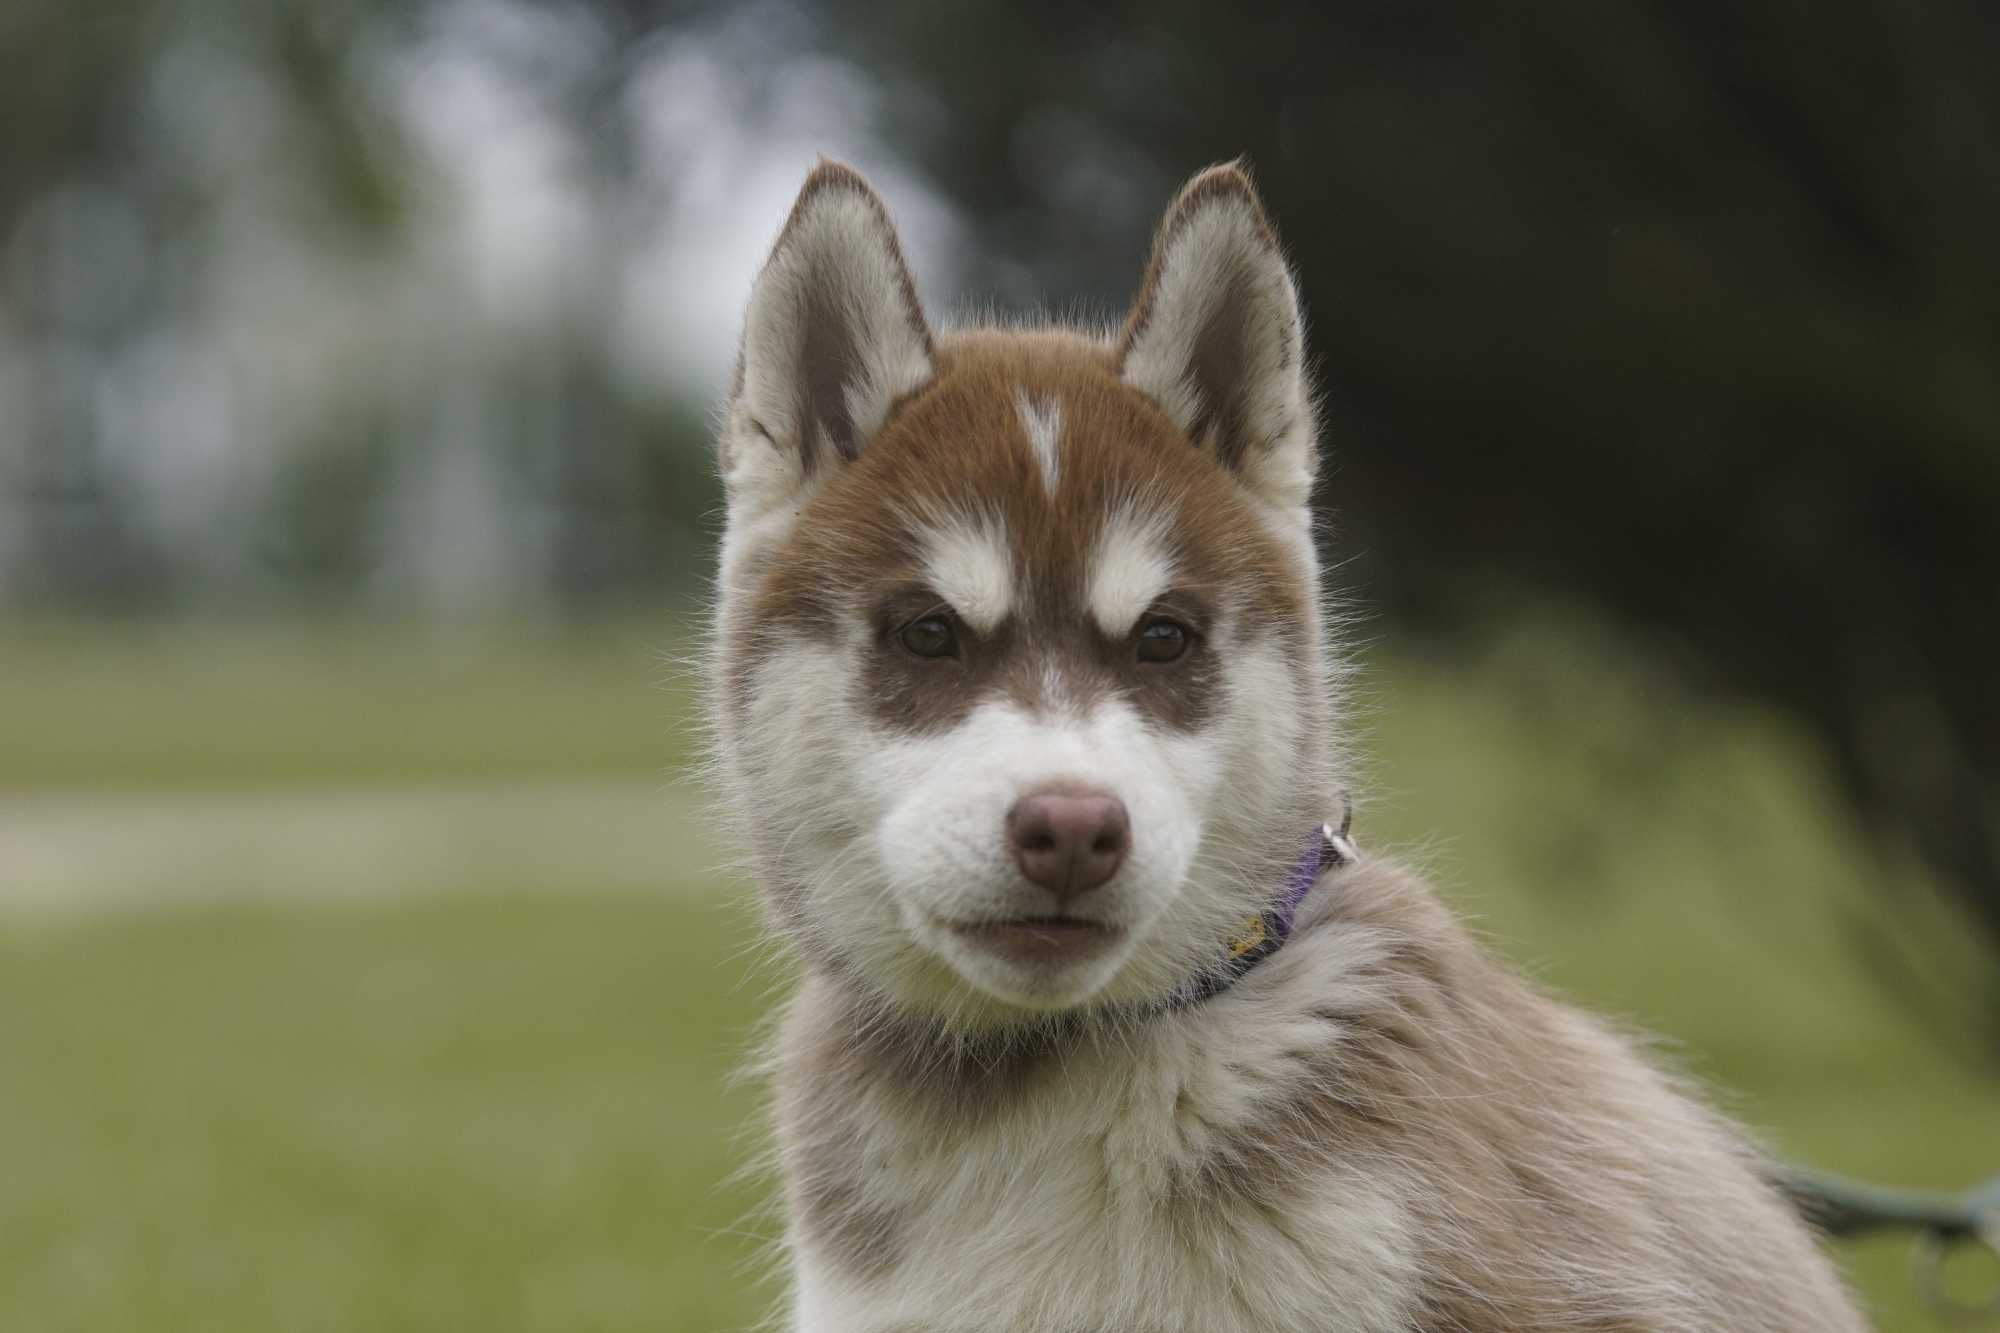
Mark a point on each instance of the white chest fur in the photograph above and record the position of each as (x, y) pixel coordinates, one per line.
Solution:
(1109, 1193)
(1094, 1265)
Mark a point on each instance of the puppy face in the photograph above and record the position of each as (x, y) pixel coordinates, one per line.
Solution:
(1022, 701)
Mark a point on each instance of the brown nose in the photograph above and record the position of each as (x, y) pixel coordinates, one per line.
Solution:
(1069, 842)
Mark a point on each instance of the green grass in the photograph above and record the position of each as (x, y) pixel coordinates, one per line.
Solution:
(491, 1113)
(484, 1109)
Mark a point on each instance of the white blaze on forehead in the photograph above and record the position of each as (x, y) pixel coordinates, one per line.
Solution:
(1041, 418)
(1129, 569)
(969, 563)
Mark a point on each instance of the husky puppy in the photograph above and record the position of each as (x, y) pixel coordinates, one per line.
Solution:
(1025, 706)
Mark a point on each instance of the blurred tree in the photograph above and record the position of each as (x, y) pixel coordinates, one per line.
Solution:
(311, 301)
(1690, 311)
(78, 524)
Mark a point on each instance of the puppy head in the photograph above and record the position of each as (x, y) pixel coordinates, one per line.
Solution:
(1021, 698)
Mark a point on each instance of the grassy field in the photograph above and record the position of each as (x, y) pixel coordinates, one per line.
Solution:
(490, 1087)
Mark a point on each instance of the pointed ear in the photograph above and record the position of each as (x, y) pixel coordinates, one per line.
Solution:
(1216, 340)
(833, 338)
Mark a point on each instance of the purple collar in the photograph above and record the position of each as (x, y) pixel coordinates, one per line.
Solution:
(1327, 848)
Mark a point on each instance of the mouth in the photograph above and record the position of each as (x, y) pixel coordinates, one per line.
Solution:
(1050, 940)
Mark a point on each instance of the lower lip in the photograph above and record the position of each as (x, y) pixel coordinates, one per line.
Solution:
(1049, 941)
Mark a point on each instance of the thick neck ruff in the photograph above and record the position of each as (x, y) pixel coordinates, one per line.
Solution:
(1264, 934)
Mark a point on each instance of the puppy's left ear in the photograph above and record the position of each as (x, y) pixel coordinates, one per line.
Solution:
(1216, 340)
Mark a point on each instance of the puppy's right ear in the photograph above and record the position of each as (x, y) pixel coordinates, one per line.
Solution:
(834, 337)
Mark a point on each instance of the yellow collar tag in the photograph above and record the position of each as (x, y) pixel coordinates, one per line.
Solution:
(1252, 936)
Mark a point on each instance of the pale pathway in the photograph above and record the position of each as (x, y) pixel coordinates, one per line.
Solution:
(84, 851)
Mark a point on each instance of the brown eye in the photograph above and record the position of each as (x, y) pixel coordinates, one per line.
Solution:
(1162, 640)
(930, 636)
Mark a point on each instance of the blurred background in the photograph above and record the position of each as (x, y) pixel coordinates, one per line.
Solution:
(365, 958)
